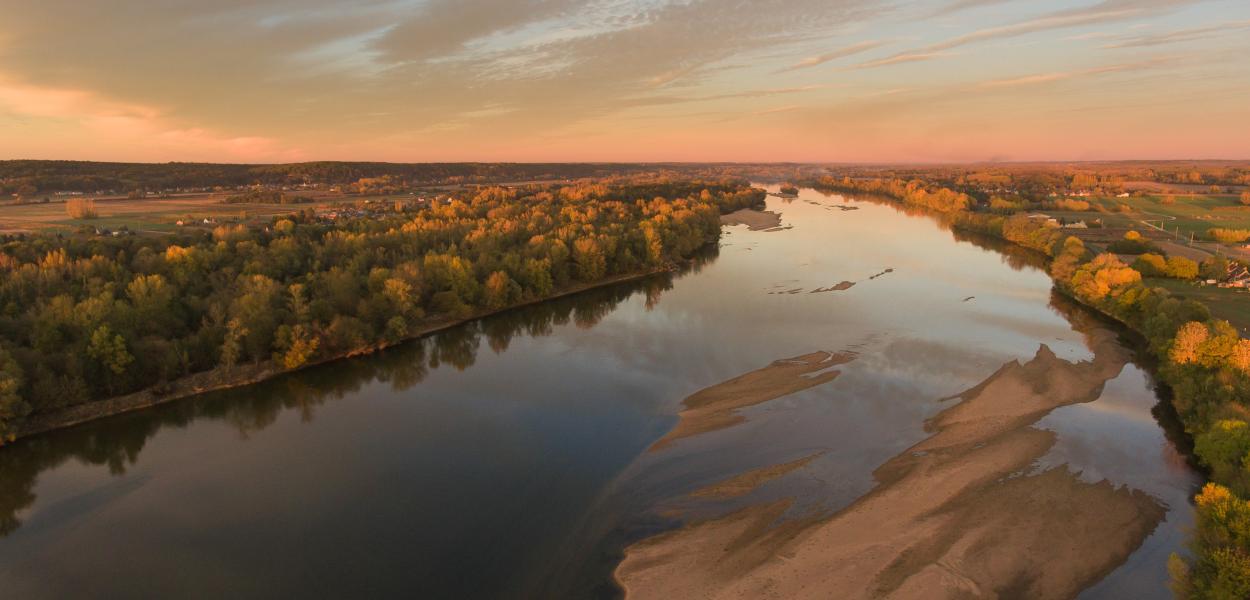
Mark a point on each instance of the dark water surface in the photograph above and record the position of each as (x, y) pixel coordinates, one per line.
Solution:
(508, 458)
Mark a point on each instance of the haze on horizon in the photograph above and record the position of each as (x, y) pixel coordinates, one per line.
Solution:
(624, 80)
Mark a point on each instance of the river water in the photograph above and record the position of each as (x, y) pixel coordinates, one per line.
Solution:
(509, 457)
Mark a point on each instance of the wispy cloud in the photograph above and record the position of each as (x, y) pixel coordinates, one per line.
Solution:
(821, 59)
(1179, 35)
(779, 109)
(1102, 12)
(901, 58)
(1042, 78)
(962, 5)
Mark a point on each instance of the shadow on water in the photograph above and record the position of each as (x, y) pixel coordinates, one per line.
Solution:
(116, 442)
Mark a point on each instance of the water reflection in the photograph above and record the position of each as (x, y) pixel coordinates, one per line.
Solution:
(116, 443)
(527, 475)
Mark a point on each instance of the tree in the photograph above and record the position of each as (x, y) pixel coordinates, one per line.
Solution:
(151, 298)
(295, 346)
(255, 308)
(12, 407)
(1179, 267)
(80, 208)
(1222, 565)
(1214, 267)
(1245, 198)
(500, 290)
(591, 263)
(298, 303)
(1153, 265)
(232, 347)
(1224, 448)
(109, 349)
(1187, 345)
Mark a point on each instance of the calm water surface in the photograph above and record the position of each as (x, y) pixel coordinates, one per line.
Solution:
(508, 458)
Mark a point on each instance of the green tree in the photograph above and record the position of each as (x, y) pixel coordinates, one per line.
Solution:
(109, 349)
(232, 346)
(12, 408)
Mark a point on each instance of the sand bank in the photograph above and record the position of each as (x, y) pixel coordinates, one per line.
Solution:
(755, 220)
(958, 515)
(716, 407)
(843, 286)
(741, 485)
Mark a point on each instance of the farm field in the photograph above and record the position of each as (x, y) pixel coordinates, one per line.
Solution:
(1190, 213)
(152, 215)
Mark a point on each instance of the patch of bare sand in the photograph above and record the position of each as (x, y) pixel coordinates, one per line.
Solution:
(951, 517)
(741, 485)
(845, 285)
(755, 220)
(716, 407)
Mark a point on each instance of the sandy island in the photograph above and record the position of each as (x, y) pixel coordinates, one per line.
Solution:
(959, 515)
(716, 407)
(841, 287)
(741, 485)
(755, 220)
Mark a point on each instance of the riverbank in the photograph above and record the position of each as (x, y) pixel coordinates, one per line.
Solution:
(249, 374)
(1203, 365)
(921, 532)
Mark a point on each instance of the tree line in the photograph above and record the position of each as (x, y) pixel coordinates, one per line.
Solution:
(30, 177)
(1204, 361)
(85, 318)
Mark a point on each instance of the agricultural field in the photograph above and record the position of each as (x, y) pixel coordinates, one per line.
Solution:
(151, 215)
(1191, 214)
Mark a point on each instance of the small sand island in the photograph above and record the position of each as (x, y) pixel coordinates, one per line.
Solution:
(789, 190)
(843, 286)
(716, 407)
(755, 220)
(964, 513)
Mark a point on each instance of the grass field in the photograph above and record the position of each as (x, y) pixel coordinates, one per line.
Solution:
(147, 214)
(1190, 213)
(1231, 305)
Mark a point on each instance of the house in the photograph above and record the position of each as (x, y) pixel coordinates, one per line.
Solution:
(1047, 219)
(1076, 225)
(1238, 276)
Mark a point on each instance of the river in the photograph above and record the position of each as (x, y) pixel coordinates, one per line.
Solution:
(513, 457)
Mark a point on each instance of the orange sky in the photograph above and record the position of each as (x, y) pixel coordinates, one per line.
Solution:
(568, 80)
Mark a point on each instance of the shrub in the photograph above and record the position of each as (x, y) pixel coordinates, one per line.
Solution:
(81, 208)
(1229, 236)
(1179, 267)
(1151, 265)
(1072, 205)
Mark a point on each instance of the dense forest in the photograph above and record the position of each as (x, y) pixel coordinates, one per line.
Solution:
(26, 178)
(1035, 181)
(1204, 361)
(85, 318)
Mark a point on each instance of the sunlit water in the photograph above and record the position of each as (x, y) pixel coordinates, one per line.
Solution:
(508, 458)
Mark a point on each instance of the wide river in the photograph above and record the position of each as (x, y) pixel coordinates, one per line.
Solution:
(512, 457)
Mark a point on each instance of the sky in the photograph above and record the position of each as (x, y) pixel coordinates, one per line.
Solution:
(624, 80)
